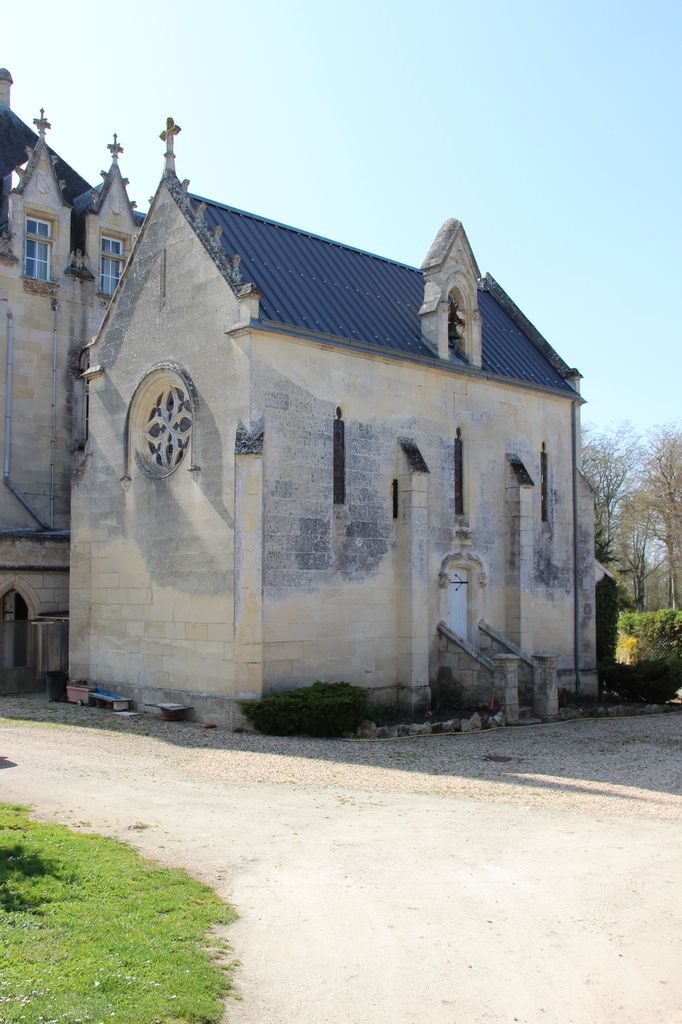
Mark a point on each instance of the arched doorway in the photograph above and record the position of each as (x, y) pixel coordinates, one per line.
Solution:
(462, 580)
(15, 617)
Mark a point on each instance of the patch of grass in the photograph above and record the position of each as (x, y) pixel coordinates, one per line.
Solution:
(92, 932)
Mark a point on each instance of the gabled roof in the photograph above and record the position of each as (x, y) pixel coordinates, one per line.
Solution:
(15, 137)
(321, 287)
(91, 200)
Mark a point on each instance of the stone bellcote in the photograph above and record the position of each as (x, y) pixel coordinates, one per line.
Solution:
(6, 83)
(450, 319)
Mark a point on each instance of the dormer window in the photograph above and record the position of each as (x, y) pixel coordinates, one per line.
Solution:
(38, 250)
(456, 327)
(110, 264)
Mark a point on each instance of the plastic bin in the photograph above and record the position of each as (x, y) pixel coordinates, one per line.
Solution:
(55, 685)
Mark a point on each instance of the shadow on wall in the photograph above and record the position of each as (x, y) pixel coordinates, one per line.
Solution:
(166, 532)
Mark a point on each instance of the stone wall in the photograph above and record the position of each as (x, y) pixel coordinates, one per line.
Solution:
(153, 557)
(238, 573)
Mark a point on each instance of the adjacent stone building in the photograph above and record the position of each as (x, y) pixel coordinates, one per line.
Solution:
(63, 245)
(308, 462)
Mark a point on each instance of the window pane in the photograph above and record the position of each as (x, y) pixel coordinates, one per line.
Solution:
(37, 227)
(41, 261)
(109, 274)
(112, 245)
(37, 260)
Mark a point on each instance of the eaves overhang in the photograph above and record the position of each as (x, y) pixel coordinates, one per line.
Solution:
(378, 352)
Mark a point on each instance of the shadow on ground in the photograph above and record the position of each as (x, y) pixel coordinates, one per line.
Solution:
(619, 758)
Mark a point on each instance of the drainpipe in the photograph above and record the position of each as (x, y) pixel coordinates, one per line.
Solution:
(8, 427)
(53, 438)
(576, 576)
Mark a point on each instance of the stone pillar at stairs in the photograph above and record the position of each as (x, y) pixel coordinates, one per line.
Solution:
(545, 687)
(506, 682)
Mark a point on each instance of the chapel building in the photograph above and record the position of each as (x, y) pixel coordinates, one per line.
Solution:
(305, 462)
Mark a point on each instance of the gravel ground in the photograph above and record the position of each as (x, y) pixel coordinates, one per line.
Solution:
(505, 877)
(620, 765)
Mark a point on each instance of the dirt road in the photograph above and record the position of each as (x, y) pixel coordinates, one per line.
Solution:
(449, 880)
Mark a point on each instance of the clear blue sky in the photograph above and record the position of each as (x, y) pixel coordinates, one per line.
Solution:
(552, 131)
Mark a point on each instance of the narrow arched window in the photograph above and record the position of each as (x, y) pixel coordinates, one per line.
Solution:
(459, 474)
(544, 488)
(339, 460)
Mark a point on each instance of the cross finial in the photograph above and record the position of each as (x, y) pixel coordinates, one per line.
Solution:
(172, 129)
(42, 124)
(115, 149)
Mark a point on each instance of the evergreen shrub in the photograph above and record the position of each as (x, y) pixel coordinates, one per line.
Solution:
(323, 709)
(606, 597)
(655, 681)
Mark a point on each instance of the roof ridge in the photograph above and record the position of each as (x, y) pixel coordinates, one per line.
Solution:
(303, 231)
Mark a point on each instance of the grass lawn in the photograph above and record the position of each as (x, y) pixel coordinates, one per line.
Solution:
(92, 932)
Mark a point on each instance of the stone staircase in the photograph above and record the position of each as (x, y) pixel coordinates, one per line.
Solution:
(524, 687)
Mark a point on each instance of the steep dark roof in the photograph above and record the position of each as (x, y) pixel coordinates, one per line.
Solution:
(322, 286)
(15, 136)
(87, 200)
(509, 352)
(319, 286)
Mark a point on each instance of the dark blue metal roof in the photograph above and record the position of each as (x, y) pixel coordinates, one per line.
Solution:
(323, 287)
(509, 352)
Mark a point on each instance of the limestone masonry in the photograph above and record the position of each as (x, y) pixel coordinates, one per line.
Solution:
(294, 460)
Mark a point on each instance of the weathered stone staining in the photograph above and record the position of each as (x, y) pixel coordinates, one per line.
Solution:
(364, 512)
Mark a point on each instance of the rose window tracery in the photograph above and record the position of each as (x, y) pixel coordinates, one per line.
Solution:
(161, 421)
(168, 427)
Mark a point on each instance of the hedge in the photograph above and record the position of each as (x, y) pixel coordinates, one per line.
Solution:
(323, 709)
(658, 634)
(648, 682)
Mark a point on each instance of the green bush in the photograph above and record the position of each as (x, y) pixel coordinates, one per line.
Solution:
(649, 682)
(658, 634)
(323, 709)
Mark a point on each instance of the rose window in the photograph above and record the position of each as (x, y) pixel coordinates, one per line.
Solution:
(168, 428)
(161, 422)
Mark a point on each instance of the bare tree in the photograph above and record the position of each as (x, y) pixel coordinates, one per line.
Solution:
(638, 552)
(611, 461)
(662, 479)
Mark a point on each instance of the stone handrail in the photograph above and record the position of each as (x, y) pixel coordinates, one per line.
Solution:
(464, 645)
(505, 642)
